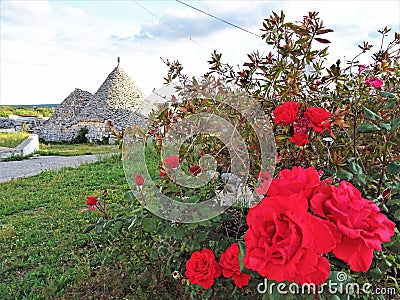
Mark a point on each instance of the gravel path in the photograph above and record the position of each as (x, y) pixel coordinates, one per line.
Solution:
(10, 170)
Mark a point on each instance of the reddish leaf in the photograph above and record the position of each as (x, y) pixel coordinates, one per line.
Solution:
(323, 31)
(323, 41)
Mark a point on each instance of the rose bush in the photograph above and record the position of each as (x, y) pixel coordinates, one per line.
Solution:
(334, 205)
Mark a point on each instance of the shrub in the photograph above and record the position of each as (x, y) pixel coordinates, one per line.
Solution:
(336, 136)
(80, 137)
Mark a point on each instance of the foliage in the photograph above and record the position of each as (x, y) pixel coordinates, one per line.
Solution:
(80, 137)
(362, 147)
(12, 139)
(45, 111)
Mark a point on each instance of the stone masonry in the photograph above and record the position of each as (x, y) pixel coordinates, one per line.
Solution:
(116, 105)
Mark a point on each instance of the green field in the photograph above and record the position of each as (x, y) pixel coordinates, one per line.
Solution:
(43, 252)
(12, 139)
(25, 110)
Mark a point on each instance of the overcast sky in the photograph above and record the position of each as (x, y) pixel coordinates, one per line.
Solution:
(49, 48)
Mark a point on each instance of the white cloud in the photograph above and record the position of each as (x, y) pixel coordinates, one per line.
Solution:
(50, 48)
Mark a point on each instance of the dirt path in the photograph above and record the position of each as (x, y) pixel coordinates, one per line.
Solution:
(19, 169)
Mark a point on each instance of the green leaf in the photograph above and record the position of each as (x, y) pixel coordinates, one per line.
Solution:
(344, 175)
(390, 104)
(89, 228)
(367, 127)
(359, 180)
(99, 228)
(388, 95)
(376, 273)
(395, 125)
(129, 196)
(368, 114)
(393, 168)
(355, 168)
(397, 215)
(180, 232)
(242, 251)
(385, 126)
(200, 236)
(149, 224)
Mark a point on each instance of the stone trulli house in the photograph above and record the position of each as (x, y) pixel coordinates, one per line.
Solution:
(116, 105)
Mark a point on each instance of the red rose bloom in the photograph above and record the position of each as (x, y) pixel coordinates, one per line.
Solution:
(286, 113)
(300, 138)
(229, 263)
(318, 118)
(92, 202)
(195, 169)
(172, 161)
(296, 180)
(358, 220)
(375, 82)
(139, 180)
(202, 268)
(285, 242)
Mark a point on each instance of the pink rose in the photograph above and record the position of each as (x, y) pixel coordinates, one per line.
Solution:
(375, 82)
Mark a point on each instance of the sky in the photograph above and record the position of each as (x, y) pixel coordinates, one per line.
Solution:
(49, 48)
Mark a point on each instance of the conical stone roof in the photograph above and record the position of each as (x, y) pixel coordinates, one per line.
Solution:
(118, 99)
(70, 107)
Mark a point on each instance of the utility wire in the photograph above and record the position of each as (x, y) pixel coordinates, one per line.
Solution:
(219, 19)
(168, 24)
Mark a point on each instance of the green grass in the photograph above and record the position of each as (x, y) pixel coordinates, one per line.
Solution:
(6, 110)
(75, 149)
(12, 139)
(43, 253)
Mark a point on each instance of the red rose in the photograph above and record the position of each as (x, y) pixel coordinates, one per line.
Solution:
(139, 180)
(202, 268)
(296, 180)
(358, 220)
(286, 113)
(163, 173)
(375, 82)
(300, 138)
(195, 169)
(172, 161)
(229, 263)
(92, 202)
(285, 242)
(318, 118)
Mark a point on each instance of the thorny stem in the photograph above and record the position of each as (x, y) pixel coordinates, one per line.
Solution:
(384, 161)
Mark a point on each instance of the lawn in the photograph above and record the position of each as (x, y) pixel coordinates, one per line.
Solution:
(43, 252)
(75, 149)
(12, 139)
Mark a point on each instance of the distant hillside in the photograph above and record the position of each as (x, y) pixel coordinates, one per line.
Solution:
(46, 110)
